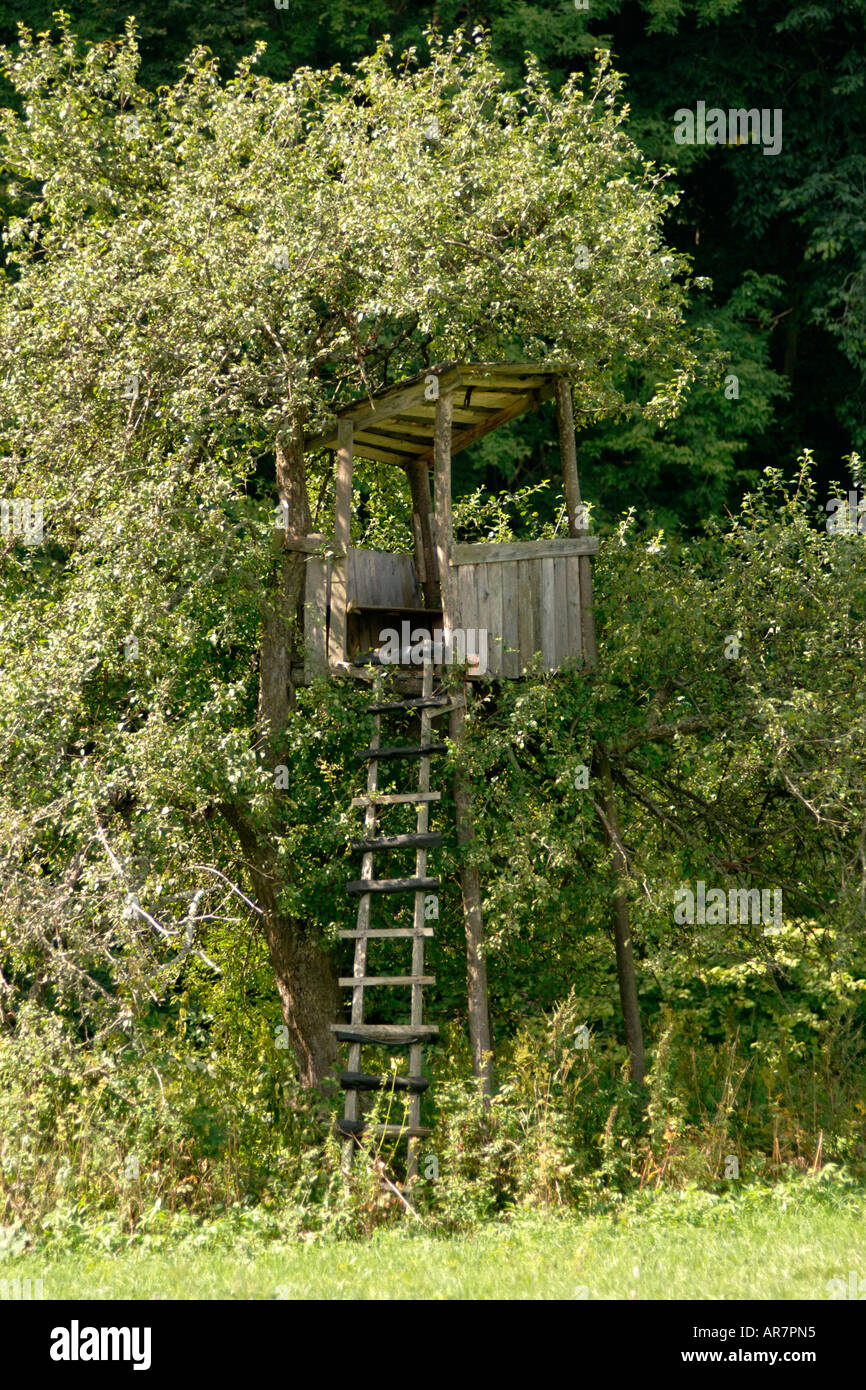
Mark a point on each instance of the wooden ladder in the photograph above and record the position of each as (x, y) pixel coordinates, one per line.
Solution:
(358, 1033)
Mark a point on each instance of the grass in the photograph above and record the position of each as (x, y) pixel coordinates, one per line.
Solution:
(765, 1244)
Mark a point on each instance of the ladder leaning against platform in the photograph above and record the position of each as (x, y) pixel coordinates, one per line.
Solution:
(358, 1033)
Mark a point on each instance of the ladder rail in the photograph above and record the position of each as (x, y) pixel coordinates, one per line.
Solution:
(357, 1034)
(352, 1104)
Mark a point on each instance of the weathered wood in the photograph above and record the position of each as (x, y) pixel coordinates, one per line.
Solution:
(353, 1127)
(342, 527)
(466, 594)
(418, 540)
(308, 545)
(414, 750)
(379, 580)
(548, 614)
(393, 798)
(495, 626)
(571, 486)
(572, 589)
(401, 425)
(568, 454)
(375, 451)
(523, 550)
(366, 1081)
(380, 439)
(492, 400)
(394, 402)
(422, 829)
(368, 981)
(398, 609)
(413, 841)
(537, 603)
(443, 521)
(485, 395)
(316, 619)
(352, 1105)
(525, 621)
(560, 611)
(491, 421)
(343, 498)
(383, 932)
(460, 417)
(384, 1033)
(425, 545)
(482, 599)
(510, 620)
(392, 885)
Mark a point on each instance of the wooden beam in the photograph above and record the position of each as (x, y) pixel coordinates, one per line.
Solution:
(571, 487)
(477, 431)
(427, 412)
(384, 438)
(568, 454)
(425, 548)
(375, 451)
(444, 521)
(343, 509)
(311, 545)
(388, 404)
(554, 548)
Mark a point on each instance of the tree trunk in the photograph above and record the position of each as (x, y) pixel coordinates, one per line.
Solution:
(306, 975)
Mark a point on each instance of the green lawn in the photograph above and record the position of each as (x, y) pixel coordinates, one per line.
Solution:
(758, 1247)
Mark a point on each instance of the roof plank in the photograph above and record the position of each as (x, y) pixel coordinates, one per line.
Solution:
(396, 425)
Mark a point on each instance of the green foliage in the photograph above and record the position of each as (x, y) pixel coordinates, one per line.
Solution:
(195, 275)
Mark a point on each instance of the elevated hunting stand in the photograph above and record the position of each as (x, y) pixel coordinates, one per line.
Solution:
(529, 599)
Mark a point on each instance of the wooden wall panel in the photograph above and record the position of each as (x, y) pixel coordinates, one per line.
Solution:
(315, 619)
(510, 620)
(575, 641)
(560, 611)
(548, 614)
(495, 625)
(525, 616)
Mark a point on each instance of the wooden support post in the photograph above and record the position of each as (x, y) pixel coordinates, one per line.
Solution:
(571, 488)
(473, 920)
(342, 532)
(470, 886)
(607, 808)
(425, 551)
(444, 522)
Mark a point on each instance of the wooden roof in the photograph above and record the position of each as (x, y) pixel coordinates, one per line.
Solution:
(396, 425)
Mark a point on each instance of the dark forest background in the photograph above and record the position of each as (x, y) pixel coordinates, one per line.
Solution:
(782, 238)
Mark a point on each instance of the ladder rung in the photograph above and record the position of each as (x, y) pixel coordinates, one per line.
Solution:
(350, 1127)
(413, 750)
(363, 1081)
(431, 837)
(349, 981)
(356, 934)
(392, 885)
(384, 1032)
(431, 702)
(392, 798)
